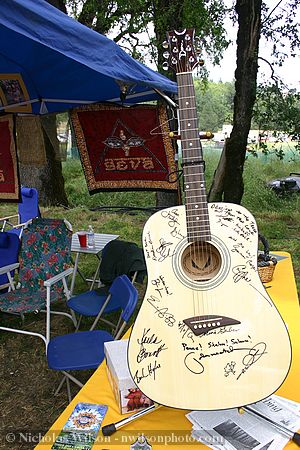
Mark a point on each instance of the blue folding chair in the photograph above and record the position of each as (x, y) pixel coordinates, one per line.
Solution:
(28, 208)
(118, 258)
(9, 252)
(85, 349)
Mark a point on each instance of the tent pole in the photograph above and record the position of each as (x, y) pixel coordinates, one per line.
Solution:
(166, 97)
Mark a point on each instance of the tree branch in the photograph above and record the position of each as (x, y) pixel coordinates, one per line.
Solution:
(270, 14)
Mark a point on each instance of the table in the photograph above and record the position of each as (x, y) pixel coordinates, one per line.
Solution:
(101, 240)
(171, 424)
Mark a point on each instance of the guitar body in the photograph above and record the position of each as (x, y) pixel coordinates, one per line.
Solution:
(207, 335)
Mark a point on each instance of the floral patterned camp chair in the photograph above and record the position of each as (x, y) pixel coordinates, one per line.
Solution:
(45, 264)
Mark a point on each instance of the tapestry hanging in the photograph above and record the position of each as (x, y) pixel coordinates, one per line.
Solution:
(125, 148)
(13, 91)
(9, 179)
(30, 141)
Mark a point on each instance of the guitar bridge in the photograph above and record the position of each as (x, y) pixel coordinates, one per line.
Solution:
(203, 324)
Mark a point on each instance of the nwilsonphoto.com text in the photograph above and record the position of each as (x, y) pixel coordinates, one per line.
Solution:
(160, 437)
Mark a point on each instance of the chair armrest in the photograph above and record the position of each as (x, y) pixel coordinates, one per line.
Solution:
(58, 277)
(19, 225)
(6, 223)
(8, 217)
(9, 268)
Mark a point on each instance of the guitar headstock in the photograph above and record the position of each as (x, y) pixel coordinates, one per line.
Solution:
(181, 55)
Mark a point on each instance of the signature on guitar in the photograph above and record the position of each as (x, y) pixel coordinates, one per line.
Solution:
(252, 356)
(162, 313)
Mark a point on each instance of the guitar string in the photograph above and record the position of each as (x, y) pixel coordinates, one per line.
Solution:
(188, 182)
(182, 131)
(200, 250)
(191, 182)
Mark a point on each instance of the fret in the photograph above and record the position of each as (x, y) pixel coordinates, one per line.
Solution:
(197, 223)
(198, 174)
(187, 109)
(184, 86)
(188, 129)
(196, 203)
(197, 147)
(188, 96)
(190, 120)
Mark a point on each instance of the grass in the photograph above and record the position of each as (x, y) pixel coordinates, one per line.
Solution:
(26, 397)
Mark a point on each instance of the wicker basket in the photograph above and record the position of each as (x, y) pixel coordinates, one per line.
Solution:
(266, 263)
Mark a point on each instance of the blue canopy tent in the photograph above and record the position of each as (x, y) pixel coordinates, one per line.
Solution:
(49, 62)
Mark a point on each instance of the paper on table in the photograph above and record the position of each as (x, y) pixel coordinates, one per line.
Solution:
(230, 430)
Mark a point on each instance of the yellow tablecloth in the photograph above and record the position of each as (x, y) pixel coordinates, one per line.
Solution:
(167, 425)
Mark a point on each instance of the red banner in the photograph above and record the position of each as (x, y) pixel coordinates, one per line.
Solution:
(9, 181)
(125, 148)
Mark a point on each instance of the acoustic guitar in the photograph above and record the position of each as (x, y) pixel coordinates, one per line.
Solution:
(207, 335)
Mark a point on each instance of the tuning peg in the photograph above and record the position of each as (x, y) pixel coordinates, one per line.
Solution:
(201, 62)
(165, 44)
(197, 42)
(165, 65)
(166, 55)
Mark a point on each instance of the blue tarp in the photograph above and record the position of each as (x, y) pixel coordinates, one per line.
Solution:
(49, 62)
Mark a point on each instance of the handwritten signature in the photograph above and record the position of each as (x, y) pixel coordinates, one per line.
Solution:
(149, 371)
(152, 340)
(164, 250)
(254, 354)
(160, 286)
(240, 273)
(193, 363)
(162, 313)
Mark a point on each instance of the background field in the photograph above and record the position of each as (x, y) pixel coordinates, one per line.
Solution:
(26, 397)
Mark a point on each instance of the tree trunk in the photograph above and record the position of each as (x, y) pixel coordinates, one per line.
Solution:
(217, 186)
(249, 19)
(59, 4)
(46, 178)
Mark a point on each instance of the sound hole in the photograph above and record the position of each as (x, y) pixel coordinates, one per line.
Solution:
(201, 261)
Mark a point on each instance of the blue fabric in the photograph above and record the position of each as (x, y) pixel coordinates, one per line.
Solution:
(29, 207)
(59, 58)
(77, 351)
(4, 240)
(9, 251)
(27, 192)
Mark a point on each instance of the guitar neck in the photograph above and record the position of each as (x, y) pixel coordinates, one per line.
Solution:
(198, 228)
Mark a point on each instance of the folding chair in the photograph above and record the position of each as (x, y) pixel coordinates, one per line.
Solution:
(9, 252)
(85, 349)
(45, 264)
(28, 208)
(118, 258)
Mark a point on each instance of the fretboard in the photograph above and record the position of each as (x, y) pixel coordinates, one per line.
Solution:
(198, 228)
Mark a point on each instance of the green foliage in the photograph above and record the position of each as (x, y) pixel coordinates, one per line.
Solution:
(277, 109)
(214, 104)
(129, 23)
